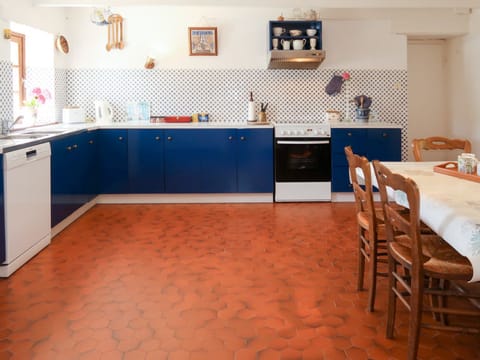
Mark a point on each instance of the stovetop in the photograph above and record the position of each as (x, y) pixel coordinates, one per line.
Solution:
(320, 130)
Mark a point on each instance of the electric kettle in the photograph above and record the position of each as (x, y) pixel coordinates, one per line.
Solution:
(103, 112)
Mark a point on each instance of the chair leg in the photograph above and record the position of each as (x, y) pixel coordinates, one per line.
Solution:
(392, 297)
(373, 278)
(416, 308)
(361, 260)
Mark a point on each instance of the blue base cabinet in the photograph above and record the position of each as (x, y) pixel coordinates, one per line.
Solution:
(200, 161)
(255, 160)
(146, 164)
(73, 174)
(113, 161)
(374, 143)
(3, 245)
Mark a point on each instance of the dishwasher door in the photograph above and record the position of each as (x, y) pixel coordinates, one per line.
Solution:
(27, 204)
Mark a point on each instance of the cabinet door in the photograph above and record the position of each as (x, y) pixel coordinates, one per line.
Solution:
(255, 160)
(357, 139)
(146, 161)
(3, 248)
(113, 161)
(88, 165)
(200, 161)
(65, 176)
(384, 144)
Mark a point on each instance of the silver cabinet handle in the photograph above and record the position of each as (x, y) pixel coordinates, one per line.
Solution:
(75, 146)
(169, 138)
(157, 138)
(90, 142)
(69, 148)
(349, 134)
(230, 137)
(120, 138)
(385, 135)
(242, 138)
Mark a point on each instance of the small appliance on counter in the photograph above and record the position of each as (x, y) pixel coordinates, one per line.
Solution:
(103, 112)
(73, 114)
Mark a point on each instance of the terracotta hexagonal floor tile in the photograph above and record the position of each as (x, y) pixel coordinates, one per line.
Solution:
(187, 281)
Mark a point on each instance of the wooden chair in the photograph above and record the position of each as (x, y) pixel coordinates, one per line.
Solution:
(430, 265)
(439, 143)
(371, 227)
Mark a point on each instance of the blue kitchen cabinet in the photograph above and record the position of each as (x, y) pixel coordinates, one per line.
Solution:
(255, 160)
(146, 165)
(73, 174)
(112, 161)
(200, 161)
(384, 144)
(3, 249)
(374, 143)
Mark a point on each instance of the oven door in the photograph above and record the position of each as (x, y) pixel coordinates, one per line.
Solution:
(302, 160)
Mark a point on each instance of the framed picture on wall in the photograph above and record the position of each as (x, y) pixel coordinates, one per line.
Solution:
(202, 41)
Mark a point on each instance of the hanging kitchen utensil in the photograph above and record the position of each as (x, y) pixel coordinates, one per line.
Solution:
(115, 30)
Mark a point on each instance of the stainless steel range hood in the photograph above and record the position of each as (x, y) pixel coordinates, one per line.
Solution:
(295, 59)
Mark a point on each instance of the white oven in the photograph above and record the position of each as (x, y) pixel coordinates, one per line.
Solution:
(302, 162)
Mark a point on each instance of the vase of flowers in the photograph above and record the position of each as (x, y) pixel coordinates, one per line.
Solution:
(37, 98)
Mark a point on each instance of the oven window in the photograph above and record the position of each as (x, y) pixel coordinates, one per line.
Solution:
(297, 161)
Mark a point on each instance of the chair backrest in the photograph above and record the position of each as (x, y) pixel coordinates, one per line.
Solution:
(361, 190)
(395, 186)
(439, 143)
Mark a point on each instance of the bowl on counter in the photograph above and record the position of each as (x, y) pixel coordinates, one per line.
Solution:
(295, 32)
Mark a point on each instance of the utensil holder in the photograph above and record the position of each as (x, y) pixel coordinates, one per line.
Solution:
(362, 114)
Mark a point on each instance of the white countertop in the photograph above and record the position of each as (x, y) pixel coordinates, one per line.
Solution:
(367, 125)
(8, 143)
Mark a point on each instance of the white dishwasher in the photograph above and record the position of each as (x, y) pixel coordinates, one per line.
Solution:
(27, 204)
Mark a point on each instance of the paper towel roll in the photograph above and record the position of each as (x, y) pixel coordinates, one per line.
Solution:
(251, 111)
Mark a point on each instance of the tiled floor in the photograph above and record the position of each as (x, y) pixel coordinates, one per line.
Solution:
(222, 281)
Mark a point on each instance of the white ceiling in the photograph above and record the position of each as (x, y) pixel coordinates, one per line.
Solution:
(315, 4)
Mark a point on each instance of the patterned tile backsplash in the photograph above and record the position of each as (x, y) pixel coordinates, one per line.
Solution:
(294, 96)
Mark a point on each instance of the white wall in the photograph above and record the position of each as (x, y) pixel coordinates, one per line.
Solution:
(162, 31)
(427, 93)
(50, 20)
(464, 84)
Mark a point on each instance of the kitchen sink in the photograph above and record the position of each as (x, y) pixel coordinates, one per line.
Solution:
(22, 136)
(42, 132)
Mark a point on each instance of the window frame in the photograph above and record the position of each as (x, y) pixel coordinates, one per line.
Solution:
(20, 40)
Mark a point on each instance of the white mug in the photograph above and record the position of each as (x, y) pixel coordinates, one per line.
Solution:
(313, 43)
(299, 44)
(277, 31)
(285, 44)
(275, 43)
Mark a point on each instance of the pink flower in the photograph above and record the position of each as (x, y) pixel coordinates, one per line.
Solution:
(40, 98)
(346, 76)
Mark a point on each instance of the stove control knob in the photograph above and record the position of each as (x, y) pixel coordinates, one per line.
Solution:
(315, 132)
(301, 132)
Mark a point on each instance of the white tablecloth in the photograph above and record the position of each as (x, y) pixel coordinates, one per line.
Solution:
(449, 205)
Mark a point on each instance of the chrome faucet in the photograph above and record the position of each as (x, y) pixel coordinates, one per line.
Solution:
(6, 128)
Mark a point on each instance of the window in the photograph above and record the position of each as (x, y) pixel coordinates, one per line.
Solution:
(17, 57)
(32, 58)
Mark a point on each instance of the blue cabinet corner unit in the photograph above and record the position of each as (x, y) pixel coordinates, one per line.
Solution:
(73, 173)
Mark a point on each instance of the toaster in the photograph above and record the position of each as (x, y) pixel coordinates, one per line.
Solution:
(73, 114)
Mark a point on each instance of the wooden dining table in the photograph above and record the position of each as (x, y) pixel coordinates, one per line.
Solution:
(449, 205)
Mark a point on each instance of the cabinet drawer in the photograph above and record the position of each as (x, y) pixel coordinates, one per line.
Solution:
(356, 138)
